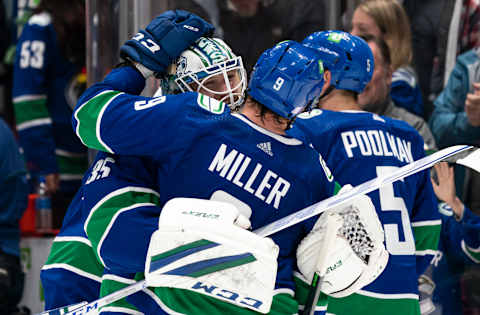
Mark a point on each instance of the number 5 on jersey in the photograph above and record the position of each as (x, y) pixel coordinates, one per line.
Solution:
(389, 202)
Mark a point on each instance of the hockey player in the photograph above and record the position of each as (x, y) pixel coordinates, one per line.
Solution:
(206, 152)
(46, 87)
(72, 272)
(359, 146)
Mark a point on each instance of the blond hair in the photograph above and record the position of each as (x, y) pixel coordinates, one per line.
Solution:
(393, 22)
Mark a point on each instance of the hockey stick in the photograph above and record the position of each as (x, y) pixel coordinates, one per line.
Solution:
(332, 227)
(450, 154)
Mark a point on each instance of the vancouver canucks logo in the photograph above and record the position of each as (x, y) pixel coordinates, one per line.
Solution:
(181, 66)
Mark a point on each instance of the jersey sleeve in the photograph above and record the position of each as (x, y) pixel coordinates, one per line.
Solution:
(425, 219)
(110, 117)
(462, 238)
(33, 120)
(406, 93)
(123, 210)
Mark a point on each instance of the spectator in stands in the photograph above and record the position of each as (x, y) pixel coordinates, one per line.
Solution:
(441, 30)
(49, 58)
(13, 201)
(387, 19)
(251, 26)
(456, 116)
(376, 96)
(458, 247)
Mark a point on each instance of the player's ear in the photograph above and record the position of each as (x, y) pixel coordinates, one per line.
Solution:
(327, 77)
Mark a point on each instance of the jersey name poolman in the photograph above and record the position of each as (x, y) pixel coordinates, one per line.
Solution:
(233, 168)
(376, 143)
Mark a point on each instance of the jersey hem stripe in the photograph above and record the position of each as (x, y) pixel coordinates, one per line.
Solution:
(74, 270)
(34, 123)
(396, 296)
(426, 223)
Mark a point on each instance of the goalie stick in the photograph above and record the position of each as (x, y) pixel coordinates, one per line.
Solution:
(461, 153)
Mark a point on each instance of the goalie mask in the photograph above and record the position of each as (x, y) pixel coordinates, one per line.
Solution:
(210, 67)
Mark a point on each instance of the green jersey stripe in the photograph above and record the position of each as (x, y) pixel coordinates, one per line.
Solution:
(302, 289)
(30, 110)
(188, 302)
(104, 213)
(426, 237)
(109, 286)
(76, 254)
(357, 304)
(89, 134)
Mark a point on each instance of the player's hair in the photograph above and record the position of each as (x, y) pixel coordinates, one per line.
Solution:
(393, 22)
(68, 19)
(264, 110)
(382, 46)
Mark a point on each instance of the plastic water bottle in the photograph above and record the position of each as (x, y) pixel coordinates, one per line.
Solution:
(43, 207)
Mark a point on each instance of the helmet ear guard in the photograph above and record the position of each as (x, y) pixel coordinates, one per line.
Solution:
(287, 79)
(347, 57)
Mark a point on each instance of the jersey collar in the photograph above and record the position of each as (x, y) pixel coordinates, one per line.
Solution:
(279, 138)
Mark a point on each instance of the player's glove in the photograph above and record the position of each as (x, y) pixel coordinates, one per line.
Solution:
(357, 256)
(164, 39)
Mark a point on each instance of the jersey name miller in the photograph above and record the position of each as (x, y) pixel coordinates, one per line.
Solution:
(234, 167)
(376, 143)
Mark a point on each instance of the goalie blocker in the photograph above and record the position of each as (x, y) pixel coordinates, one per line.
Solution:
(202, 246)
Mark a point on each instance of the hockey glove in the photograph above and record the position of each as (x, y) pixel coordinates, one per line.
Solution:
(164, 39)
(357, 255)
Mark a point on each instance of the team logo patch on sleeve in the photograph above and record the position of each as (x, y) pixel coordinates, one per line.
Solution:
(212, 105)
(327, 171)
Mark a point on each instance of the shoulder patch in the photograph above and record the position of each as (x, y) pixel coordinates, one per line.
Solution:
(326, 170)
(210, 104)
(41, 19)
(310, 114)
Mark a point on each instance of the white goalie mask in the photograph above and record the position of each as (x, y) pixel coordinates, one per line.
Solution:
(210, 67)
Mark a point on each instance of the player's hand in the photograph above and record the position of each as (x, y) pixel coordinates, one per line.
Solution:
(472, 106)
(164, 39)
(52, 181)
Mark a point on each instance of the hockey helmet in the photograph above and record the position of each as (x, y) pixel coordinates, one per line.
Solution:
(348, 58)
(287, 79)
(207, 60)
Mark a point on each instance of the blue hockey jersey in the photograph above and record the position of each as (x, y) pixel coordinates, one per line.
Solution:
(459, 247)
(44, 93)
(359, 146)
(202, 151)
(74, 271)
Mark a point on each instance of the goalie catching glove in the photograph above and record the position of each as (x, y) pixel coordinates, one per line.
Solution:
(202, 246)
(357, 255)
